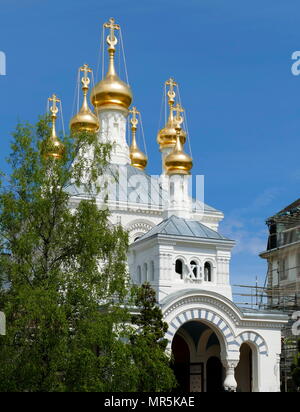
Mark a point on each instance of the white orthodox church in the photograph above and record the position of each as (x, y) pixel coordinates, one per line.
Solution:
(176, 247)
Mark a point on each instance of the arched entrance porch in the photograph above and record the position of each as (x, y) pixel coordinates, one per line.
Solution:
(197, 358)
(220, 320)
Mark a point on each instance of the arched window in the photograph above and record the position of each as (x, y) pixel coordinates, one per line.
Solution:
(194, 267)
(179, 267)
(152, 271)
(139, 275)
(207, 272)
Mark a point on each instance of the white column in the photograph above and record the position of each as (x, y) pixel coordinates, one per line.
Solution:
(179, 202)
(113, 130)
(230, 383)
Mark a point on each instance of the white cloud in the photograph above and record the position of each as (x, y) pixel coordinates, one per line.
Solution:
(247, 225)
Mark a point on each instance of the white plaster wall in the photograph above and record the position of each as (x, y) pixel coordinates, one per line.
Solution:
(113, 130)
(167, 281)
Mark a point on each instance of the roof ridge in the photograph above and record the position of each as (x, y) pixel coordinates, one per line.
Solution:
(178, 226)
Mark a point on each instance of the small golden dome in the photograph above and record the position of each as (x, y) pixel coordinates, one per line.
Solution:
(166, 137)
(111, 92)
(53, 147)
(178, 162)
(137, 157)
(85, 120)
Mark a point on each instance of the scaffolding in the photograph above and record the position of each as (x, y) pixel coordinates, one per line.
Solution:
(285, 299)
(281, 289)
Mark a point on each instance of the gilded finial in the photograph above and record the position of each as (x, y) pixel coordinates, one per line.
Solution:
(137, 157)
(52, 146)
(54, 109)
(85, 119)
(178, 119)
(171, 93)
(134, 121)
(111, 39)
(85, 79)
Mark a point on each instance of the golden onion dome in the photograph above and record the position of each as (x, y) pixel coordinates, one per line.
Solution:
(111, 92)
(53, 147)
(166, 137)
(178, 162)
(137, 157)
(85, 120)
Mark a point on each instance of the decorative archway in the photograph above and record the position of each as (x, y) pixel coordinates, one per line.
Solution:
(137, 228)
(255, 339)
(219, 325)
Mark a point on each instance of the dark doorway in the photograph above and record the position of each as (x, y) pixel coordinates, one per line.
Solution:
(244, 372)
(181, 365)
(214, 375)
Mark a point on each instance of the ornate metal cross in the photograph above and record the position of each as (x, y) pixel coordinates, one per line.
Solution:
(134, 121)
(85, 69)
(178, 109)
(171, 83)
(111, 39)
(54, 108)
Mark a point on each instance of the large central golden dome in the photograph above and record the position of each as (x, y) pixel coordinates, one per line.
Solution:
(111, 92)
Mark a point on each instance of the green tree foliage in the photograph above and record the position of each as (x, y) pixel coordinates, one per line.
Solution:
(68, 326)
(149, 343)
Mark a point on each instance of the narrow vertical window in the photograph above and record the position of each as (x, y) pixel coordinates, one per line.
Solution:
(179, 268)
(207, 272)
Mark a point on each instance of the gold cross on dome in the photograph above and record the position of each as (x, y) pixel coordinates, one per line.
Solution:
(54, 108)
(85, 69)
(134, 121)
(171, 83)
(178, 109)
(112, 41)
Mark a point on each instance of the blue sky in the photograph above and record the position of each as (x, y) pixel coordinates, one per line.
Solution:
(232, 59)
